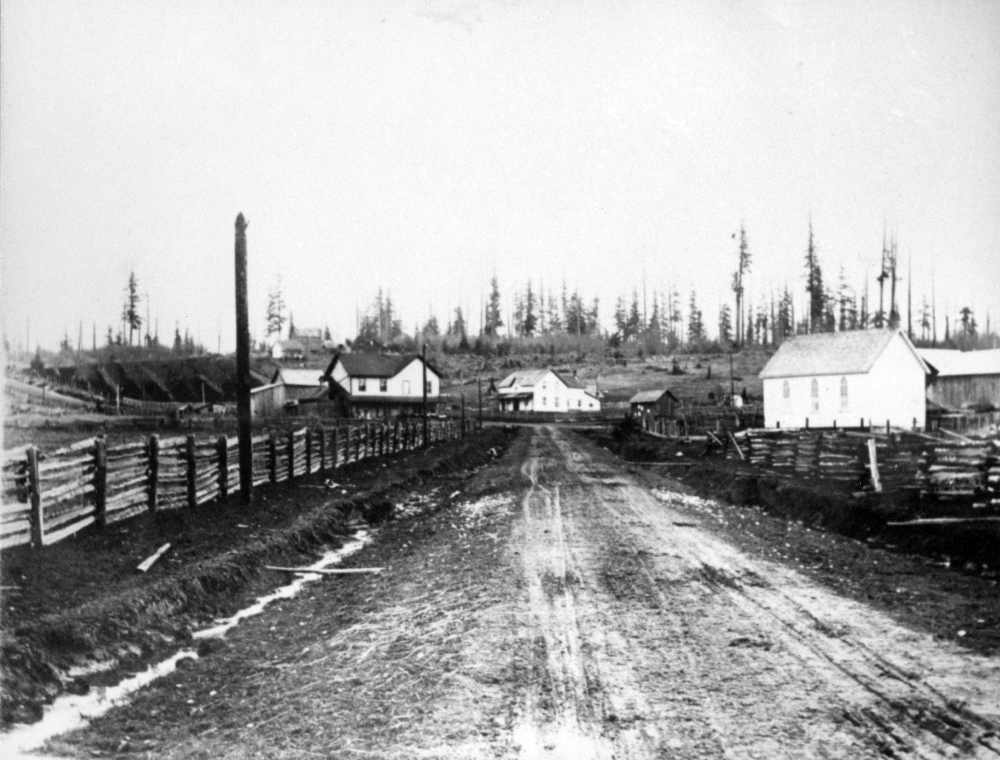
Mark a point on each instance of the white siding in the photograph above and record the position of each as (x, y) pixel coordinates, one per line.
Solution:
(892, 390)
(551, 394)
(409, 378)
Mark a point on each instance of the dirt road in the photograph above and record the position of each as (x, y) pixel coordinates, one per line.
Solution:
(575, 614)
(660, 639)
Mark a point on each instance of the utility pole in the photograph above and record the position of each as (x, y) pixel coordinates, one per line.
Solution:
(479, 387)
(243, 364)
(423, 361)
(732, 383)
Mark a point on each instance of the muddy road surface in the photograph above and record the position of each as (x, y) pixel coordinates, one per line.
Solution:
(565, 609)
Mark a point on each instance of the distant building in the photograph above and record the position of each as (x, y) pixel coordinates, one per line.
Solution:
(382, 385)
(288, 350)
(963, 379)
(872, 377)
(659, 403)
(542, 390)
(267, 400)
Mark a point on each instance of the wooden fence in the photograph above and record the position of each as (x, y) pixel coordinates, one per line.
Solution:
(48, 496)
(934, 467)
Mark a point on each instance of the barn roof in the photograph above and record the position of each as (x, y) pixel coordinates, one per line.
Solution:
(305, 377)
(951, 363)
(650, 397)
(852, 352)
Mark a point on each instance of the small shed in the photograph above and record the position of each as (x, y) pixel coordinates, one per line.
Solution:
(659, 403)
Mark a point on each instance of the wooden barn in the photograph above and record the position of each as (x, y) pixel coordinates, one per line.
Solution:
(963, 379)
(658, 403)
(846, 379)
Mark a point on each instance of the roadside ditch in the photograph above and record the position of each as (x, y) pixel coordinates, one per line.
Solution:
(77, 614)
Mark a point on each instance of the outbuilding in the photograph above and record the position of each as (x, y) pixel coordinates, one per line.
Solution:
(659, 403)
(845, 379)
(963, 379)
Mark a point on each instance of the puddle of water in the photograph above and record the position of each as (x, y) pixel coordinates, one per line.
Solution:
(286, 592)
(71, 712)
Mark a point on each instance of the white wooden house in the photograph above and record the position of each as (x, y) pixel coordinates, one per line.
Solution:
(382, 385)
(869, 377)
(542, 390)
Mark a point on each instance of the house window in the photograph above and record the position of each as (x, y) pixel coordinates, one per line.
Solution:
(545, 401)
(815, 395)
(406, 387)
(383, 384)
(557, 402)
(579, 403)
(430, 387)
(843, 393)
(786, 391)
(362, 383)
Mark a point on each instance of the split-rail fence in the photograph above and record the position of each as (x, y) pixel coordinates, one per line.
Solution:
(49, 496)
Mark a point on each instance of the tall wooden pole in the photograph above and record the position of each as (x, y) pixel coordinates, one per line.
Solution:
(243, 364)
(479, 387)
(423, 361)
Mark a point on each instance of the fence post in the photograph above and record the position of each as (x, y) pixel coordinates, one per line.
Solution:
(309, 456)
(395, 436)
(100, 482)
(222, 448)
(153, 484)
(192, 499)
(34, 489)
(347, 444)
(322, 449)
(272, 458)
(290, 453)
(873, 465)
(333, 445)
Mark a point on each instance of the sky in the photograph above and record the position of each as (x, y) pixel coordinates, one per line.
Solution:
(424, 147)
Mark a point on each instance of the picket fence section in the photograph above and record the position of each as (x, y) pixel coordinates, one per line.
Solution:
(901, 461)
(49, 496)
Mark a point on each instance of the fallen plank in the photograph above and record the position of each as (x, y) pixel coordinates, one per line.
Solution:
(943, 521)
(331, 571)
(665, 464)
(149, 561)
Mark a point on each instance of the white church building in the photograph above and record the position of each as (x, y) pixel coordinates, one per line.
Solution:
(846, 379)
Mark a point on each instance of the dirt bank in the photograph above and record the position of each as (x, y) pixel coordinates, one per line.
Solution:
(81, 601)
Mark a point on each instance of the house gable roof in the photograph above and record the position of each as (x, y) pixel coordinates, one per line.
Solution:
(375, 365)
(852, 352)
(528, 378)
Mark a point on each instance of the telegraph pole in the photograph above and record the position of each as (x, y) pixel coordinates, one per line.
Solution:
(479, 387)
(423, 361)
(243, 364)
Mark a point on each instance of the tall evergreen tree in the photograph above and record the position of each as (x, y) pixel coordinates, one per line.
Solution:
(814, 286)
(725, 325)
(130, 315)
(530, 313)
(742, 268)
(494, 321)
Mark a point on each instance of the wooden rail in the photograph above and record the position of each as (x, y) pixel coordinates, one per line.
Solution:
(49, 496)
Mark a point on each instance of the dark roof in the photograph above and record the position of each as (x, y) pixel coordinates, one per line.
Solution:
(651, 397)
(843, 353)
(375, 365)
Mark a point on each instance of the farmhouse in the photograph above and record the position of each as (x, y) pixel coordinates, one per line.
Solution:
(542, 390)
(870, 377)
(659, 403)
(963, 379)
(382, 385)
